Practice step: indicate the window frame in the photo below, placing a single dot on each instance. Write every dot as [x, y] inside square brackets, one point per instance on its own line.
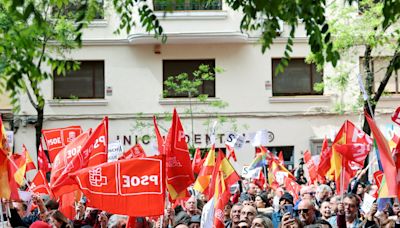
[93, 83]
[158, 8]
[312, 78]
[165, 77]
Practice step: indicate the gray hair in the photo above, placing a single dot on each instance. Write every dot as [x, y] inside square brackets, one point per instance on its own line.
[266, 222]
[114, 220]
[323, 187]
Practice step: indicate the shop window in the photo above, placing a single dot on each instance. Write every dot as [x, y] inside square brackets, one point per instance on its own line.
[298, 78]
[176, 67]
[179, 5]
[87, 82]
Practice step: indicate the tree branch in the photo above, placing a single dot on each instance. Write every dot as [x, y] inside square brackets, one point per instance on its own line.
[389, 71]
[36, 106]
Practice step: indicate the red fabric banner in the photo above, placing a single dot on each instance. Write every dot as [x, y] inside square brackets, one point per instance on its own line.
[179, 167]
[196, 163]
[160, 139]
[56, 139]
[134, 152]
[39, 184]
[132, 187]
[324, 159]
[84, 151]
[43, 161]
[312, 169]
[396, 116]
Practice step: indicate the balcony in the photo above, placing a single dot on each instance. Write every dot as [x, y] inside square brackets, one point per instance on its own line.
[187, 5]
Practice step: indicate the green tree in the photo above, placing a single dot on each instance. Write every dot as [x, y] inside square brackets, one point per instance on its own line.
[355, 28]
[35, 34]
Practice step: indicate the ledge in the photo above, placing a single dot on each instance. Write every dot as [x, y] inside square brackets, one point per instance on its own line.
[192, 15]
[392, 97]
[98, 23]
[299, 99]
[190, 38]
[185, 101]
[66, 102]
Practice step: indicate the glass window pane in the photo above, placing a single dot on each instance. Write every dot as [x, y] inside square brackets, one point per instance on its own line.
[297, 79]
[87, 82]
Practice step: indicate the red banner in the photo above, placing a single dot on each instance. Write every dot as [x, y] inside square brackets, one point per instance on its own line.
[179, 167]
[82, 153]
[56, 139]
[312, 169]
[39, 184]
[396, 116]
[134, 152]
[132, 187]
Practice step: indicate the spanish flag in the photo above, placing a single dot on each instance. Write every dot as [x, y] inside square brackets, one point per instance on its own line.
[30, 165]
[385, 156]
[204, 178]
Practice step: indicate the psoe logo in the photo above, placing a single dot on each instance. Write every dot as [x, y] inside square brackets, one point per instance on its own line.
[96, 179]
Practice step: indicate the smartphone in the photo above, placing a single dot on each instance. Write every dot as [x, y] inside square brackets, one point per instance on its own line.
[288, 208]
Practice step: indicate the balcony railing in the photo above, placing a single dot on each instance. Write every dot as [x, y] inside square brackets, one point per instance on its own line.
[180, 5]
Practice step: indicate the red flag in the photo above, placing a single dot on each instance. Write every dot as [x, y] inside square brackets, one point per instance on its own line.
[280, 156]
[231, 152]
[67, 203]
[196, 163]
[61, 166]
[312, 169]
[293, 188]
[56, 139]
[39, 184]
[29, 162]
[160, 139]
[396, 153]
[260, 181]
[356, 152]
[17, 168]
[179, 170]
[83, 152]
[134, 152]
[389, 167]
[132, 187]
[43, 162]
[324, 159]
[396, 116]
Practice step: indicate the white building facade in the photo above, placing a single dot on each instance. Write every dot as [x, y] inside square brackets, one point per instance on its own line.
[122, 76]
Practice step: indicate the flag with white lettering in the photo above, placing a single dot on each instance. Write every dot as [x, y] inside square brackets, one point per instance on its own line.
[132, 187]
[179, 167]
[83, 153]
[56, 139]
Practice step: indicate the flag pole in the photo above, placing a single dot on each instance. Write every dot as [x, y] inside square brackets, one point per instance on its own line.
[342, 176]
[2, 215]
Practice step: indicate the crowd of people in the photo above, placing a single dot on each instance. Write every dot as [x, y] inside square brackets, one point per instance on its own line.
[250, 205]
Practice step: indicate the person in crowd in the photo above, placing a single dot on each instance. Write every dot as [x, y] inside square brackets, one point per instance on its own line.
[250, 194]
[325, 210]
[348, 215]
[288, 221]
[58, 220]
[306, 211]
[334, 201]
[243, 224]
[234, 216]
[191, 206]
[227, 212]
[248, 213]
[300, 178]
[322, 194]
[26, 220]
[263, 204]
[286, 199]
[195, 221]
[117, 221]
[261, 221]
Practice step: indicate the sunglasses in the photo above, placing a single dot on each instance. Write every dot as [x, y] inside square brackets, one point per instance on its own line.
[305, 211]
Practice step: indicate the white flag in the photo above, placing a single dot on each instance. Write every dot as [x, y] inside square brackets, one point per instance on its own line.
[207, 216]
[259, 138]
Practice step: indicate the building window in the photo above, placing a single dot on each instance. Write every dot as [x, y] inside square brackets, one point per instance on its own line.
[298, 78]
[179, 5]
[87, 82]
[316, 146]
[287, 152]
[176, 67]
[379, 66]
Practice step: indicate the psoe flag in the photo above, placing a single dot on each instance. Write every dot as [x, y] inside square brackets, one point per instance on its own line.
[132, 187]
